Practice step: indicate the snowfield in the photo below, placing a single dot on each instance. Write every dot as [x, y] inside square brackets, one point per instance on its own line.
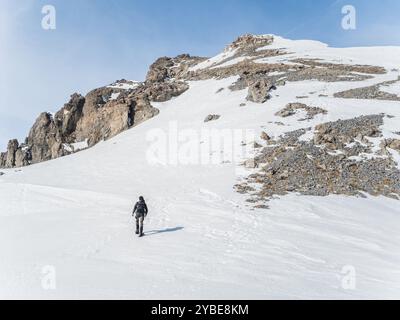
[72, 215]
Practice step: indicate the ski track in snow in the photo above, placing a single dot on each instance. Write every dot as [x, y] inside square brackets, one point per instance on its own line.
[203, 240]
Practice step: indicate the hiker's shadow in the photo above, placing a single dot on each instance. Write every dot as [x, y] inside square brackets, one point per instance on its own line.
[154, 232]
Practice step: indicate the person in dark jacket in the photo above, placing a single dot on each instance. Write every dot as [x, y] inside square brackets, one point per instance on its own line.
[140, 212]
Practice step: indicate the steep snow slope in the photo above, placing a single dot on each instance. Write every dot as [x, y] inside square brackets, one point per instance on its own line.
[202, 239]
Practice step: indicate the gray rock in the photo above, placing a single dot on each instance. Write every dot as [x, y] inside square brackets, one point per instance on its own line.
[265, 136]
[167, 68]
[3, 157]
[68, 117]
[335, 135]
[44, 139]
[12, 148]
[164, 91]
[259, 91]
[212, 117]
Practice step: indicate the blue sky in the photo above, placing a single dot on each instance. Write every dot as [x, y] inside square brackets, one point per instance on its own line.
[99, 41]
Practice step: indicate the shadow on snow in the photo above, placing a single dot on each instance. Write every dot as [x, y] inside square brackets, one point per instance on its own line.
[154, 232]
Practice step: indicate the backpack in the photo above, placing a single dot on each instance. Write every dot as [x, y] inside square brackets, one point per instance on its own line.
[141, 207]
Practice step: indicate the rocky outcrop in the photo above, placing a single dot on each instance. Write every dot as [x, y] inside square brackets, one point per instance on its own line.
[166, 68]
[44, 140]
[3, 157]
[68, 117]
[291, 109]
[338, 134]
[259, 91]
[103, 113]
[316, 63]
[164, 91]
[249, 42]
[15, 156]
[12, 148]
[391, 143]
[101, 117]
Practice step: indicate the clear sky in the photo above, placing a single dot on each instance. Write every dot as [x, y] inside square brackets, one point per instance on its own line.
[98, 41]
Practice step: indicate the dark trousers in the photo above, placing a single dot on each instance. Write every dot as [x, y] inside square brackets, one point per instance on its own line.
[139, 223]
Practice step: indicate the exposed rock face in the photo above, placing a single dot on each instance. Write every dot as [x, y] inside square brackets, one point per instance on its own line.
[101, 114]
[249, 42]
[16, 155]
[335, 135]
[101, 118]
[164, 91]
[44, 139]
[3, 157]
[12, 148]
[68, 117]
[22, 157]
[391, 143]
[259, 91]
[394, 144]
[265, 136]
[166, 68]
[315, 63]
[253, 66]
[142, 110]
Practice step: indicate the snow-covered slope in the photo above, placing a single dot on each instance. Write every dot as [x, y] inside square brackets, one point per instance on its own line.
[203, 240]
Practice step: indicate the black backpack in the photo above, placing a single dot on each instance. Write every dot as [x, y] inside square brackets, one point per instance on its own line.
[141, 207]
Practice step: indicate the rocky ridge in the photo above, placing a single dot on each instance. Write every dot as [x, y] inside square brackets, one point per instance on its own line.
[103, 113]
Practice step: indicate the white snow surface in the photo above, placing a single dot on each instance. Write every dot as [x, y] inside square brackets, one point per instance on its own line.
[393, 88]
[203, 240]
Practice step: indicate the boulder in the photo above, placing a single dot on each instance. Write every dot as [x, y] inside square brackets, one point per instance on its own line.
[12, 148]
[21, 158]
[265, 136]
[251, 42]
[167, 68]
[3, 157]
[259, 91]
[68, 117]
[212, 117]
[164, 91]
[395, 144]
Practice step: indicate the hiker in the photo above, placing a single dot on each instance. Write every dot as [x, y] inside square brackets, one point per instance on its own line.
[141, 212]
